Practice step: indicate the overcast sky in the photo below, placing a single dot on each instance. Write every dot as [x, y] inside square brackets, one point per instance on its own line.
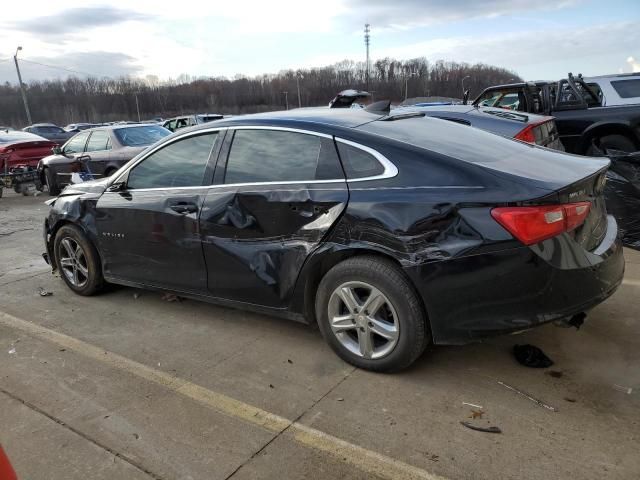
[538, 40]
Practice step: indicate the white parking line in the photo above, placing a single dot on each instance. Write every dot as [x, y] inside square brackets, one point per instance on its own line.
[366, 460]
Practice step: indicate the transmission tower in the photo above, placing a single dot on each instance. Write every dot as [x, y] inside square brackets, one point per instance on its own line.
[367, 36]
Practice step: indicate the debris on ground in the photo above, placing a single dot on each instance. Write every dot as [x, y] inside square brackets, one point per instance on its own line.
[12, 351]
[472, 405]
[171, 297]
[526, 395]
[570, 400]
[531, 356]
[491, 429]
[44, 293]
[476, 414]
[136, 296]
[271, 385]
[620, 388]
[136, 436]
[340, 399]
[289, 360]
[554, 373]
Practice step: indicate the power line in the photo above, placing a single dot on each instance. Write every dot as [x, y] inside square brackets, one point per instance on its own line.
[63, 68]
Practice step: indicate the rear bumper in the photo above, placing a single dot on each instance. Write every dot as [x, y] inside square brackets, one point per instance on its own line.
[516, 289]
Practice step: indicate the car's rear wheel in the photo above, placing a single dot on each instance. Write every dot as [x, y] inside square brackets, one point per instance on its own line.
[620, 143]
[77, 261]
[370, 314]
[52, 184]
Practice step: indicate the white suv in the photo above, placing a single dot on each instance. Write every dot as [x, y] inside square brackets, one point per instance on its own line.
[622, 89]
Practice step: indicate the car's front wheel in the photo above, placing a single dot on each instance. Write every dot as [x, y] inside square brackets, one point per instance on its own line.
[77, 261]
[370, 314]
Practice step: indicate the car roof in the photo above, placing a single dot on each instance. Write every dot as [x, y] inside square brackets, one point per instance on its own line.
[45, 125]
[338, 117]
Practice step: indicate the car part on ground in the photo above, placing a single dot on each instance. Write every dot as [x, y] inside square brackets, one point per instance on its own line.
[96, 153]
[579, 115]
[313, 213]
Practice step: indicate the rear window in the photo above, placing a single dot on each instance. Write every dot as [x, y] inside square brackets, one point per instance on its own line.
[140, 136]
[627, 88]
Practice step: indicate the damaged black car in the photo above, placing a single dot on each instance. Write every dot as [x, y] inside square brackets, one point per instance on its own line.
[392, 231]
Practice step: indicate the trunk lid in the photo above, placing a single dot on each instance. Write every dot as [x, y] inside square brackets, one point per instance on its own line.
[593, 230]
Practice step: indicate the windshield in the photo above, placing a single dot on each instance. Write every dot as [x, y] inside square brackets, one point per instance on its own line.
[140, 136]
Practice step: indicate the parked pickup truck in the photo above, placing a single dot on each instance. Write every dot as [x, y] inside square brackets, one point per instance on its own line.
[583, 123]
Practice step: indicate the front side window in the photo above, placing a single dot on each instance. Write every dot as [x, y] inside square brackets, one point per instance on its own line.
[281, 156]
[98, 141]
[76, 144]
[179, 164]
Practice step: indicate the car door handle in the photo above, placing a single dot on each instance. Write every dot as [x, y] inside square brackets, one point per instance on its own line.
[184, 207]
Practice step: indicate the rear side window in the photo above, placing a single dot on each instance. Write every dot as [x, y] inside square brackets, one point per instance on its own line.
[627, 88]
[357, 163]
[98, 141]
[180, 164]
[280, 156]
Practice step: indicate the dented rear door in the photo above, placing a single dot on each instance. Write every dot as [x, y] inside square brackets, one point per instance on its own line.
[278, 193]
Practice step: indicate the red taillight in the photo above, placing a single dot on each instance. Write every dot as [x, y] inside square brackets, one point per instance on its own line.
[527, 134]
[533, 224]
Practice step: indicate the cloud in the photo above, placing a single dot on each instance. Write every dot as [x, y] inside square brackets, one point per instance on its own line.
[79, 64]
[68, 22]
[406, 14]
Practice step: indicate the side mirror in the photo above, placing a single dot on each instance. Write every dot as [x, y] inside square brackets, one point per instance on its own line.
[57, 150]
[117, 187]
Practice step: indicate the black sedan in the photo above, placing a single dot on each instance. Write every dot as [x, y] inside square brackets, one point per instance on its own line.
[96, 153]
[391, 232]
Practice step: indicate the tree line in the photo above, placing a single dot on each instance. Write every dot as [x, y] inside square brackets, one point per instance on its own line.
[107, 99]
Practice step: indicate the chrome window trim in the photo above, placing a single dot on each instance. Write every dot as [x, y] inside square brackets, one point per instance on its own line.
[390, 170]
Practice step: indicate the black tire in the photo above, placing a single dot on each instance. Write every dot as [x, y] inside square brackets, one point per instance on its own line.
[109, 171]
[612, 142]
[52, 184]
[414, 333]
[89, 259]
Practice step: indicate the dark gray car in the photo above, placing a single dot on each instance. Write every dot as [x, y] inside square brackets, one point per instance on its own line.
[96, 153]
[527, 127]
[50, 132]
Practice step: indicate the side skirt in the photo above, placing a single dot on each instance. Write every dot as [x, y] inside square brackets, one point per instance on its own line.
[275, 312]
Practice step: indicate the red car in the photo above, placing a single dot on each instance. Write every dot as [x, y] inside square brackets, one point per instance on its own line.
[22, 148]
[20, 153]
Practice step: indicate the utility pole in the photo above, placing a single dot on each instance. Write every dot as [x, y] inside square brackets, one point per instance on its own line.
[286, 99]
[367, 36]
[298, 77]
[406, 84]
[24, 94]
[137, 106]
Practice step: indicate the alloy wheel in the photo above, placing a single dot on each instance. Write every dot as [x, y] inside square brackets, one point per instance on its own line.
[363, 320]
[73, 262]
